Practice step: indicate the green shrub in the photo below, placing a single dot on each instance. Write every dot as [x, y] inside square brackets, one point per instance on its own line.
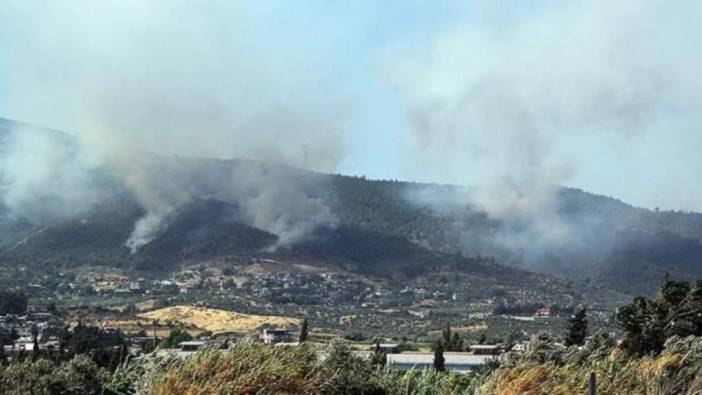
[175, 337]
[345, 373]
[79, 376]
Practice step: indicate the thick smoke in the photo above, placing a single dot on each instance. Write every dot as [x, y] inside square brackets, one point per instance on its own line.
[496, 103]
[44, 175]
[139, 82]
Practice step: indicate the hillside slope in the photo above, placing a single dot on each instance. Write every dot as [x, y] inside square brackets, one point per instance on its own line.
[378, 227]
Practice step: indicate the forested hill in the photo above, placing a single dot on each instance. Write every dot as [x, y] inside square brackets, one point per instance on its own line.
[371, 223]
[609, 242]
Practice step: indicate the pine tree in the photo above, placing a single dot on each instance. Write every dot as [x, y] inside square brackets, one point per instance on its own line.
[577, 328]
[439, 361]
[304, 331]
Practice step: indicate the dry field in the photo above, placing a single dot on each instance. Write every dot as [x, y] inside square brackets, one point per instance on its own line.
[215, 320]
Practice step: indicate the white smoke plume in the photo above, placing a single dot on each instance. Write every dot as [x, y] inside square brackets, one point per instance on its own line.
[44, 175]
[492, 104]
[138, 81]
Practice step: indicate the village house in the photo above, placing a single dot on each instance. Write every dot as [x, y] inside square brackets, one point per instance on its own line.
[521, 347]
[417, 313]
[276, 335]
[543, 312]
[192, 345]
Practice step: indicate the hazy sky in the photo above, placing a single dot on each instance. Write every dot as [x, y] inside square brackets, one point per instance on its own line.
[605, 104]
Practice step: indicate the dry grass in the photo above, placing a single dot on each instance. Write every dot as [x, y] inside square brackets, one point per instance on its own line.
[616, 374]
[518, 382]
[661, 364]
[248, 368]
[215, 320]
[146, 305]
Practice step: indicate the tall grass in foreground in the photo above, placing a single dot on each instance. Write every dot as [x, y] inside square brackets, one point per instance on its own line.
[247, 368]
[254, 368]
[677, 370]
[427, 382]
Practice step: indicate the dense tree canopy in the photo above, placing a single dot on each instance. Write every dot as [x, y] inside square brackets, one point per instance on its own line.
[647, 323]
[12, 302]
[450, 340]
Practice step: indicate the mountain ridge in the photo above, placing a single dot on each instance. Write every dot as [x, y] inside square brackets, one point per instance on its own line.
[613, 244]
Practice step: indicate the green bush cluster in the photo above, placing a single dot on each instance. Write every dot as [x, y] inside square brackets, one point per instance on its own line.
[78, 376]
[647, 323]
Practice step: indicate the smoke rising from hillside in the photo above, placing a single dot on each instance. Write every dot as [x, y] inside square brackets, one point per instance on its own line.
[493, 104]
[44, 175]
[505, 104]
[139, 81]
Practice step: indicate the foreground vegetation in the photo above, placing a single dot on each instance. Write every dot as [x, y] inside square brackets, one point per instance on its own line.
[250, 368]
[677, 370]
[247, 368]
[254, 368]
[659, 352]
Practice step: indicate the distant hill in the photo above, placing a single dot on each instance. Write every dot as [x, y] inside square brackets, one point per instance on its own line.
[627, 248]
[379, 230]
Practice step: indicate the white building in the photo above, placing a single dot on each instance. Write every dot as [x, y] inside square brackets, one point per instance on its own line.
[276, 335]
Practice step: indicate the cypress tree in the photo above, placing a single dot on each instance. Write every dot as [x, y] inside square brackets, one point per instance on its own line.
[577, 328]
[304, 331]
[379, 358]
[439, 361]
